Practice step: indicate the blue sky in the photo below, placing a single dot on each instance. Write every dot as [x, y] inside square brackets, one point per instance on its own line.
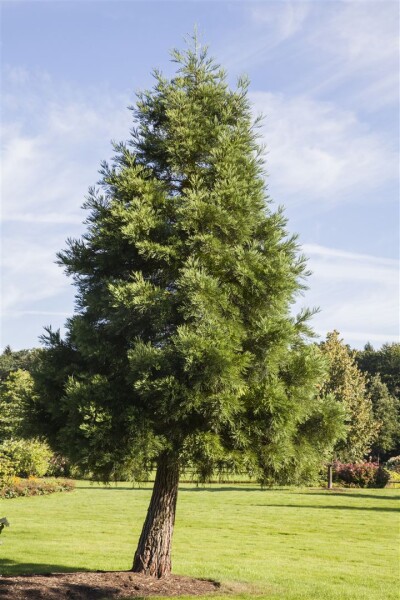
[324, 74]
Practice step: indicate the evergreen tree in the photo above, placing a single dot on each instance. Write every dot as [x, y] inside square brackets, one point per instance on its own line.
[384, 362]
[12, 360]
[386, 410]
[182, 350]
[349, 386]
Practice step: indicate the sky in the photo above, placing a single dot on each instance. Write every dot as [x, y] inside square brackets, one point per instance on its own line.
[323, 73]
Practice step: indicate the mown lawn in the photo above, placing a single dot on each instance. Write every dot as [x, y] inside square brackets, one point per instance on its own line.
[286, 544]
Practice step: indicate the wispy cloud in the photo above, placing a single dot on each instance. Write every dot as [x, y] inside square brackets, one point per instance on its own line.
[318, 152]
[285, 19]
[361, 45]
[357, 294]
[30, 273]
[53, 139]
[51, 153]
[348, 47]
[264, 27]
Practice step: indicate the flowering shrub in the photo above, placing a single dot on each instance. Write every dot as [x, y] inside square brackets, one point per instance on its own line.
[16, 487]
[393, 464]
[363, 474]
[59, 466]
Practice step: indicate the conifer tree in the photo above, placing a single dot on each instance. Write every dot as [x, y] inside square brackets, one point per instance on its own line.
[182, 350]
[386, 411]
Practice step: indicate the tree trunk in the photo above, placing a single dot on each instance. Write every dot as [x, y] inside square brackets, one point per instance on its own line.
[153, 554]
[330, 468]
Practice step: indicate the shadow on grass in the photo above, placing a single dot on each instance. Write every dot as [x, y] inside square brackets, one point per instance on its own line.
[351, 494]
[215, 487]
[199, 488]
[112, 488]
[11, 568]
[331, 507]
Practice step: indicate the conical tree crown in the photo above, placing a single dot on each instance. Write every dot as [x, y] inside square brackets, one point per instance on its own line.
[185, 279]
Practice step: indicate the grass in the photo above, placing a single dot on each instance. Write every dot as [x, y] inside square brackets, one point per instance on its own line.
[286, 544]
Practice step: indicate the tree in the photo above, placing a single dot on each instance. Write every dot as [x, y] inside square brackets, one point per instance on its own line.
[349, 386]
[12, 360]
[16, 395]
[182, 351]
[385, 362]
[386, 411]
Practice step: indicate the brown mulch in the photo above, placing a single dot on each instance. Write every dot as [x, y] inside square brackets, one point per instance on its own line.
[100, 585]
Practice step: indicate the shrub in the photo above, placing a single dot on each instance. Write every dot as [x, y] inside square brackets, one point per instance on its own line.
[363, 474]
[393, 464]
[394, 477]
[59, 466]
[17, 487]
[7, 468]
[28, 457]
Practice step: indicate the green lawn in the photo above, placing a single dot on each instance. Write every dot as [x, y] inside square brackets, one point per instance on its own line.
[281, 544]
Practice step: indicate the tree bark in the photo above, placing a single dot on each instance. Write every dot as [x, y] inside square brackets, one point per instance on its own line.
[153, 554]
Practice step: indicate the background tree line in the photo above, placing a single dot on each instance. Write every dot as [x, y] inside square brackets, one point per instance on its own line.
[366, 382]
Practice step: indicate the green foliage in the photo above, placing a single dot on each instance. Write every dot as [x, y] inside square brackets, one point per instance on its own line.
[394, 476]
[28, 457]
[16, 396]
[363, 474]
[7, 468]
[386, 410]
[385, 362]
[11, 361]
[348, 386]
[183, 340]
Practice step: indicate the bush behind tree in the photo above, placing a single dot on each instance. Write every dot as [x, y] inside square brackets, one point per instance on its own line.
[361, 474]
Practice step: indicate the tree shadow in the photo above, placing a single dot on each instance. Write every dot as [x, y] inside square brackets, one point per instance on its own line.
[11, 568]
[331, 507]
[68, 584]
[61, 590]
[182, 488]
[111, 488]
[219, 488]
[350, 494]
[46, 582]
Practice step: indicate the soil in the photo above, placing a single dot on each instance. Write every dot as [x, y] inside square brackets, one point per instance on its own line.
[100, 585]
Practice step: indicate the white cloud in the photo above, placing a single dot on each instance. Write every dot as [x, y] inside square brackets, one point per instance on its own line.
[320, 153]
[285, 18]
[361, 44]
[53, 165]
[53, 139]
[357, 295]
[363, 33]
[30, 273]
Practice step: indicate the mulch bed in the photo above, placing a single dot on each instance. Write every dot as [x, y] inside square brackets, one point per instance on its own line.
[99, 585]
